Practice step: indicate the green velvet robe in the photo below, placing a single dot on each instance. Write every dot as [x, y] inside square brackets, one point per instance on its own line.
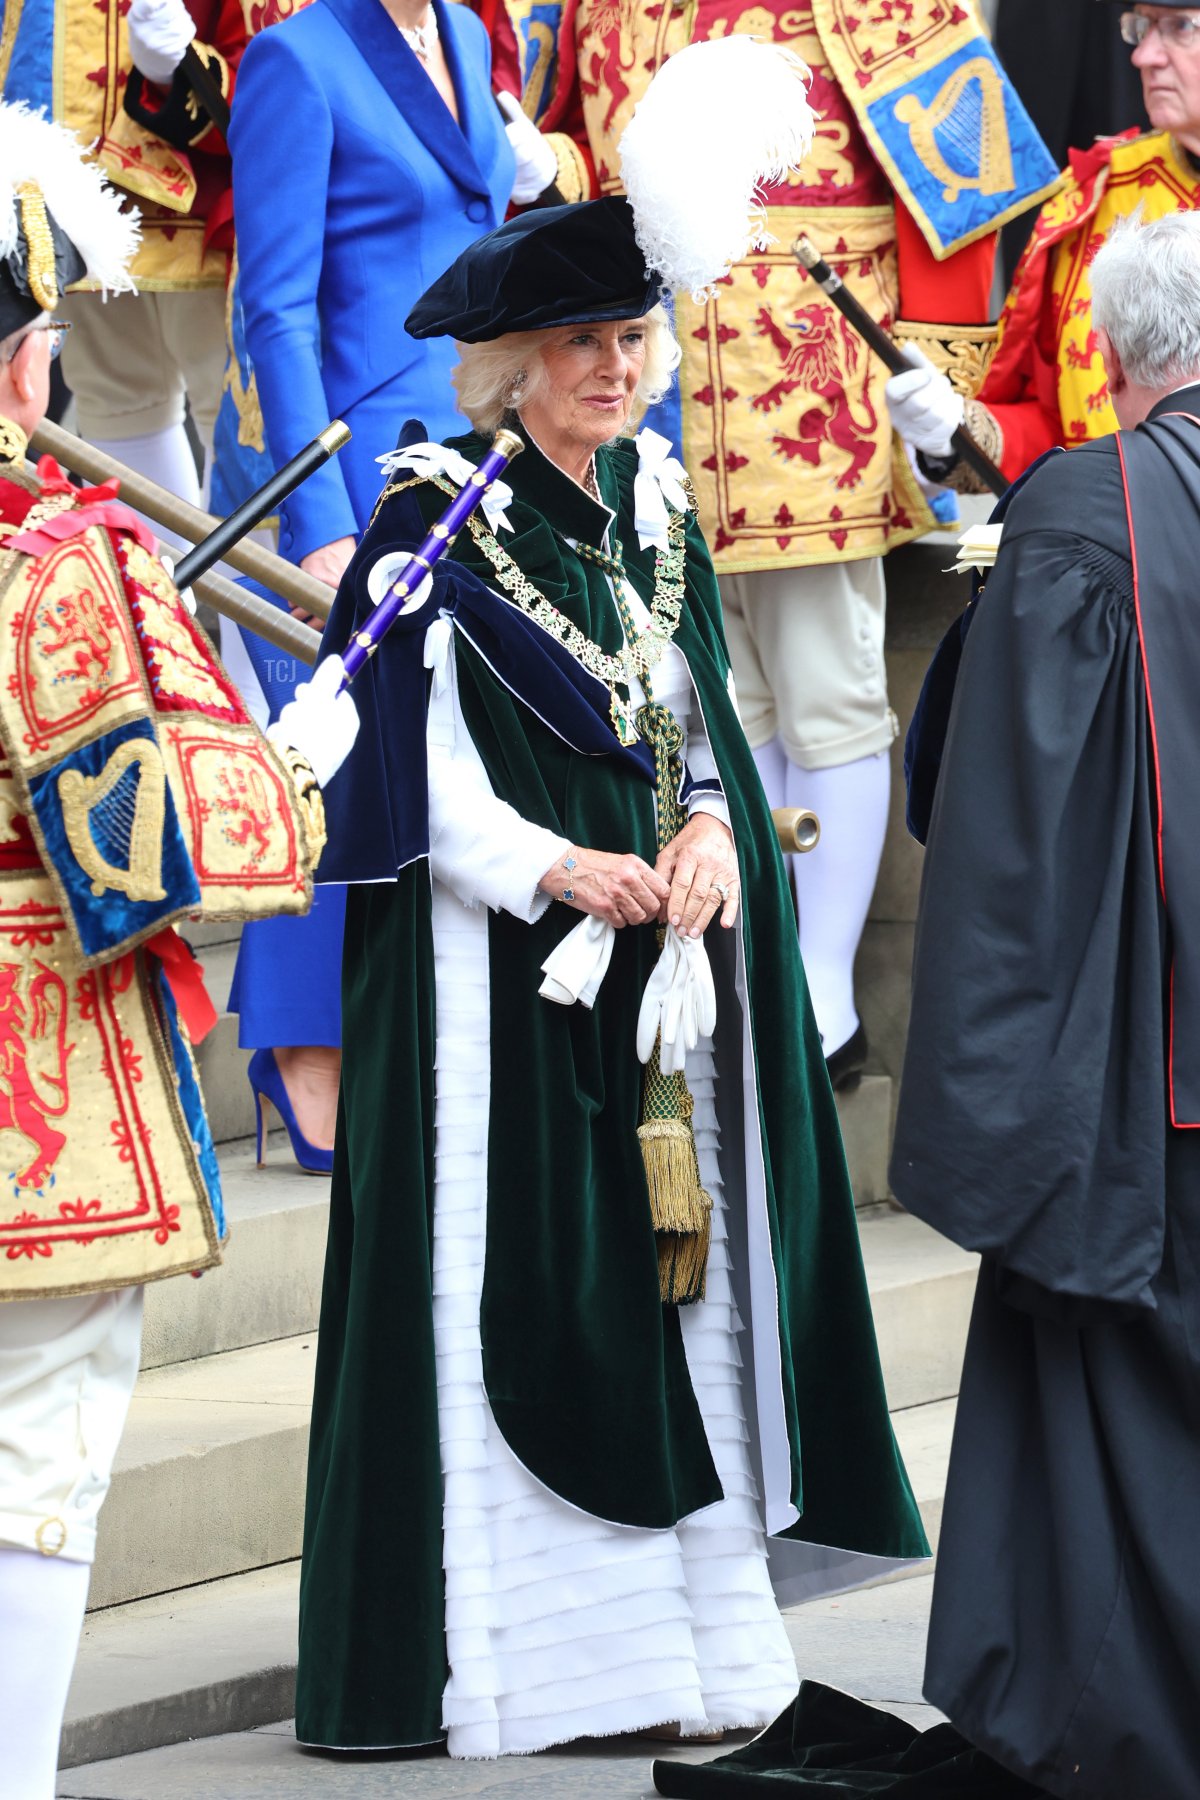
[584, 1368]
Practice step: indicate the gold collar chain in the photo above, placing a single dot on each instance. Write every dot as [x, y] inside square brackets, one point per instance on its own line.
[637, 657]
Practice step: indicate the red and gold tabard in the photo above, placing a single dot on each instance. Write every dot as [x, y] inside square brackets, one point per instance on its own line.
[1046, 384]
[785, 426]
[135, 792]
[100, 1183]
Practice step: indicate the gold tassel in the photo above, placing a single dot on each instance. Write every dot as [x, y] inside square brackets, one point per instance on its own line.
[683, 1261]
[680, 1209]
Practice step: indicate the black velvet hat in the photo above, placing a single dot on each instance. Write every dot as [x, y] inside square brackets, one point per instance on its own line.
[554, 265]
[18, 301]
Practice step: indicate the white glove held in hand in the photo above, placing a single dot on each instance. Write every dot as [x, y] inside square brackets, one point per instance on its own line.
[159, 33]
[389, 569]
[680, 1002]
[537, 165]
[925, 409]
[320, 723]
[577, 966]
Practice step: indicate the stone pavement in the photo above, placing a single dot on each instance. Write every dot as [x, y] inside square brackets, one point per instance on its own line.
[870, 1643]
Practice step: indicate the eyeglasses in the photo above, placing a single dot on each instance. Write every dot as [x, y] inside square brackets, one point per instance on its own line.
[1179, 31]
[58, 329]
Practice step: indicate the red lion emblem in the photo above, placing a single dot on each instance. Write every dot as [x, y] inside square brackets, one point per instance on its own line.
[24, 1107]
[819, 354]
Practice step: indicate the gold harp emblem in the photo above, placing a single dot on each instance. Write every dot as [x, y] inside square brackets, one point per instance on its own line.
[964, 128]
[114, 820]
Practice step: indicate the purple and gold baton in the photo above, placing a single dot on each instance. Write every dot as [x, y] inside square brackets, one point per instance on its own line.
[363, 645]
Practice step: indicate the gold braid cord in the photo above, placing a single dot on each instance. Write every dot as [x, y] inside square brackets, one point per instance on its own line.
[39, 239]
[680, 1208]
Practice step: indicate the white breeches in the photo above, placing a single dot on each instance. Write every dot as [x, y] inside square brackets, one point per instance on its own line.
[67, 1370]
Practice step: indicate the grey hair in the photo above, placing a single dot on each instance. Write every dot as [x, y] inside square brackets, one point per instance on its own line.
[503, 376]
[1146, 295]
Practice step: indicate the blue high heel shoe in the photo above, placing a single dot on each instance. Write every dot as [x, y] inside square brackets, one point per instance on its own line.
[266, 1084]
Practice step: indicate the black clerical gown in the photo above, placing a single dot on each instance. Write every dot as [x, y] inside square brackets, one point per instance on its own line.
[1035, 1126]
[1055, 1037]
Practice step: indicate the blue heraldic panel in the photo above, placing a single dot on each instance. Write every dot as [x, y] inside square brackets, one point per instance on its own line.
[963, 141]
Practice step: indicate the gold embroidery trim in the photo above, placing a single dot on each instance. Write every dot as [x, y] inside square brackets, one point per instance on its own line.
[985, 428]
[80, 795]
[8, 36]
[308, 797]
[573, 179]
[13, 441]
[961, 352]
[39, 239]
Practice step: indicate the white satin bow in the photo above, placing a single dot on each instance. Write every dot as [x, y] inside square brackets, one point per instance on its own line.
[679, 1006]
[436, 459]
[659, 481]
[577, 966]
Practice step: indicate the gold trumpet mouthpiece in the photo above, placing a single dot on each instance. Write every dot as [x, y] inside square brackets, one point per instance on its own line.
[797, 829]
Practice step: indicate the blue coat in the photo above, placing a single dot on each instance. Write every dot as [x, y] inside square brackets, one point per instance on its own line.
[353, 189]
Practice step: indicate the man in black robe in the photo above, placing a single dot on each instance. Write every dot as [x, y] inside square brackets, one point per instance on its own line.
[1048, 1116]
[1049, 1093]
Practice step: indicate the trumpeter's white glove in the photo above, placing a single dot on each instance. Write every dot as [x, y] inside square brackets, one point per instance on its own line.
[679, 1005]
[925, 409]
[320, 723]
[159, 33]
[390, 567]
[537, 165]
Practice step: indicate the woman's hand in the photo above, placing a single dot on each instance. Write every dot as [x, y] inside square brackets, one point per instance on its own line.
[328, 564]
[623, 890]
[700, 862]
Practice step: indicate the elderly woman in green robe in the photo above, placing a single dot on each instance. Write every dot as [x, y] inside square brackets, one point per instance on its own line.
[595, 1331]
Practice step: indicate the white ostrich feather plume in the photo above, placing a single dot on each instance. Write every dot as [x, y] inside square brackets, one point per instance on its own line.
[718, 121]
[34, 148]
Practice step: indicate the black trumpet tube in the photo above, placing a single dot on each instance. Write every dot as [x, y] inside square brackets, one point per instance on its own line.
[261, 504]
[810, 258]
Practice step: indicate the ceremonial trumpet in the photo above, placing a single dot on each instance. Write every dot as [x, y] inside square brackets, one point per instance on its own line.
[170, 513]
[797, 829]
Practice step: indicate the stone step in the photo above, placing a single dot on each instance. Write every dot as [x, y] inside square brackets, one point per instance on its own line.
[865, 1116]
[209, 1478]
[922, 1287]
[214, 1658]
[269, 1285]
[924, 1434]
[220, 1656]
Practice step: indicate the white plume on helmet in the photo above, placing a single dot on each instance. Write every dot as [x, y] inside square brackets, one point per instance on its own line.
[35, 149]
[718, 120]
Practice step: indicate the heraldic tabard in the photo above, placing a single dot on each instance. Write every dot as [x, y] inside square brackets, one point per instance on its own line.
[134, 791]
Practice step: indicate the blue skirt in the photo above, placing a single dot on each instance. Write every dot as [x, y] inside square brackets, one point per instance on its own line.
[288, 979]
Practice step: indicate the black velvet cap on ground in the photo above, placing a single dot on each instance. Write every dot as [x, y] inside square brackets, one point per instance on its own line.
[17, 304]
[828, 1745]
[554, 265]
